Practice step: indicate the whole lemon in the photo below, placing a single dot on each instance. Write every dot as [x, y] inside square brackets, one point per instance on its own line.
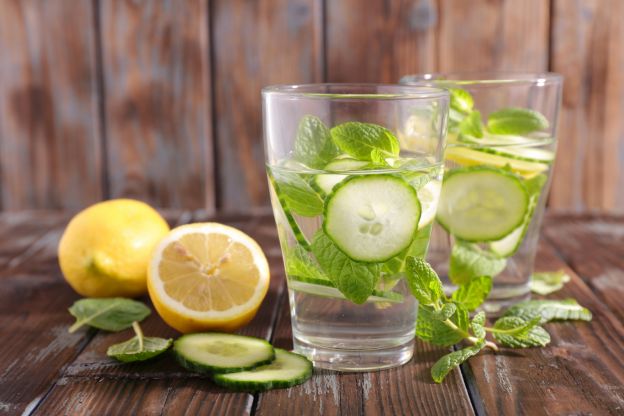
[106, 248]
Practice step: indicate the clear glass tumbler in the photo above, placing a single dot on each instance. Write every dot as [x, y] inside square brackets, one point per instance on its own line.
[355, 173]
[499, 158]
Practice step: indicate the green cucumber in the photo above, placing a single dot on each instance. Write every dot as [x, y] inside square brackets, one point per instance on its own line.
[529, 154]
[325, 288]
[222, 353]
[288, 369]
[372, 218]
[325, 182]
[428, 197]
[299, 236]
[466, 157]
[482, 203]
[345, 165]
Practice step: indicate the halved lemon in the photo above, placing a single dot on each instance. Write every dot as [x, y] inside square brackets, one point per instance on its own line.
[207, 276]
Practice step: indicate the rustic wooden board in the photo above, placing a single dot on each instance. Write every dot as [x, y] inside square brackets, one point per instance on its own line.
[256, 44]
[587, 49]
[484, 35]
[381, 41]
[49, 129]
[580, 372]
[156, 70]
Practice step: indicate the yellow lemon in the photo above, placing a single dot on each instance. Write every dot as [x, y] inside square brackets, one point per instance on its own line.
[106, 248]
[207, 276]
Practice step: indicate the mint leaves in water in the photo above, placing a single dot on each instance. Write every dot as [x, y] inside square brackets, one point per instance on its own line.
[365, 141]
[109, 314]
[516, 121]
[444, 321]
[138, 348]
[313, 144]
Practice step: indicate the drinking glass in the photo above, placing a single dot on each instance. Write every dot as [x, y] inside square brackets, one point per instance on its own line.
[355, 174]
[499, 158]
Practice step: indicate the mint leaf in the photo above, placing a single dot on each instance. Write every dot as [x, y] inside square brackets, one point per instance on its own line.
[296, 194]
[313, 144]
[437, 332]
[423, 281]
[461, 100]
[545, 283]
[448, 362]
[109, 314]
[378, 157]
[445, 313]
[515, 332]
[355, 280]
[360, 139]
[471, 125]
[550, 310]
[298, 263]
[516, 121]
[139, 348]
[478, 325]
[469, 261]
[472, 294]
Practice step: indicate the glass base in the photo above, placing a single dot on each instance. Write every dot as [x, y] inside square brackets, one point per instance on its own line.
[355, 360]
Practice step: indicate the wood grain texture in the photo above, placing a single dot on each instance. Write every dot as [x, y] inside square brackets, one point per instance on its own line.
[588, 49]
[580, 372]
[381, 40]
[490, 35]
[50, 152]
[158, 113]
[256, 44]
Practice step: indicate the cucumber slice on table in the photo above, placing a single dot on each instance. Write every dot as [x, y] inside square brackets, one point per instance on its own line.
[222, 353]
[372, 218]
[288, 369]
[465, 156]
[324, 287]
[482, 203]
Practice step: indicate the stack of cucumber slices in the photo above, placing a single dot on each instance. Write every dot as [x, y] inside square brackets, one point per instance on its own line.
[241, 363]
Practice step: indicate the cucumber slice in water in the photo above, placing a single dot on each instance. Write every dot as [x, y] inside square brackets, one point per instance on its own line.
[530, 154]
[345, 164]
[475, 157]
[222, 353]
[299, 236]
[482, 203]
[428, 196]
[372, 218]
[325, 288]
[325, 182]
[288, 369]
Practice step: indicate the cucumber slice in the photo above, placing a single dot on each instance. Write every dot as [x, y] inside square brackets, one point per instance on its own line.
[475, 157]
[372, 218]
[482, 203]
[530, 154]
[326, 182]
[288, 369]
[299, 236]
[428, 196]
[222, 353]
[345, 165]
[325, 288]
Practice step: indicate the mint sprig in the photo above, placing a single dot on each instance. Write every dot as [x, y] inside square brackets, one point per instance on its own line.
[365, 141]
[313, 144]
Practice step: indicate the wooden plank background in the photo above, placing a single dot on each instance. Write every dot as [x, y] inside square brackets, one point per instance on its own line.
[160, 99]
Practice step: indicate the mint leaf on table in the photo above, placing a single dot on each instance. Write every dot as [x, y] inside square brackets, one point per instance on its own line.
[478, 325]
[461, 100]
[545, 283]
[516, 121]
[550, 310]
[358, 140]
[423, 281]
[296, 194]
[138, 348]
[313, 144]
[472, 294]
[109, 314]
[437, 332]
[472, 125]
[452, 360]
[355, 280]
[468, 262]
[445, 313]
[516, 332]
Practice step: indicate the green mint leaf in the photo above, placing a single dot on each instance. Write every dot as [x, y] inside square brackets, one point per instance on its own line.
[461, 100]
[378, 157]
[418, 248]
[299, 263]
[313, 144]
[355, 280]
[478, 325]
[469, 261]
[472, 294]
[515, 332]
[423, 281]
[437, 332]
[550, 310]
[138, 348]
[452, 360]
[472, 125]
[360, 139]
[516, 121]
[296, 194]
[445, 313]
[545, 283]
[109, 314]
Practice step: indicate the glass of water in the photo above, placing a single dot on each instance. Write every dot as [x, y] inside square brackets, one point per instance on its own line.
[499, 158]
[355, 174]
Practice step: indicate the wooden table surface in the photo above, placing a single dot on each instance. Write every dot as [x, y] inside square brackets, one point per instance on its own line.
[44, 370]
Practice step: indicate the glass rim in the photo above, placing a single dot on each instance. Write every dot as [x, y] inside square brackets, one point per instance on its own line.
[489, 78]
[395, 91]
